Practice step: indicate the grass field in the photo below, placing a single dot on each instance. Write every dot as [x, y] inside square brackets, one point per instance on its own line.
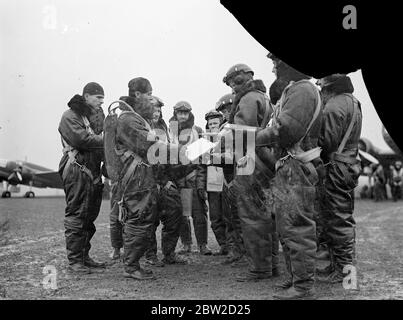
[32, 237]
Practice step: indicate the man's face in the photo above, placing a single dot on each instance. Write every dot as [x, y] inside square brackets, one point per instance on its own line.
[398, 164]
[226, 111]
[145, 106]
[182, 116]
[213, 124]
[156, 114]
[236, 82]
[94, 101]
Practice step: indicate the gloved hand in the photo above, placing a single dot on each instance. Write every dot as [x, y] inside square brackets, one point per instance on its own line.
[202, 194]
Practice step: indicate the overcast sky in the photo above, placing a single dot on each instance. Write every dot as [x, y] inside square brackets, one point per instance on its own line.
[50, 49]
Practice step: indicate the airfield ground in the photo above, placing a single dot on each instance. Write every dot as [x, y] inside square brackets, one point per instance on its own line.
[32, 238]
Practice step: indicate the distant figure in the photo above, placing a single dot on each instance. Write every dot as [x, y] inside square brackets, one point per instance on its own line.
[396, 180]
[364, 192]
[379, 189]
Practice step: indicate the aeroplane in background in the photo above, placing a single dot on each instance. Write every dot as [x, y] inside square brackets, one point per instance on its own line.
[372, 154]
[22, 172]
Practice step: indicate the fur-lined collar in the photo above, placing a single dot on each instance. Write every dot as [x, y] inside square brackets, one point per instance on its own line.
[252, 85]
[79, 106]
[142, 107]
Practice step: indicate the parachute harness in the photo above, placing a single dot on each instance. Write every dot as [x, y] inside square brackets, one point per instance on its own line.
[124, 155]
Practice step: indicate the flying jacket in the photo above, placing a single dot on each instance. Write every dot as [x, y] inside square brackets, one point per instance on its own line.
[194, 133]
[249, 108]
[337, 116]
[249, 104]
[298, 105]
[72, 129]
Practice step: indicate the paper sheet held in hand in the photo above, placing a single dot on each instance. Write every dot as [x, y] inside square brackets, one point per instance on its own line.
[199, 147]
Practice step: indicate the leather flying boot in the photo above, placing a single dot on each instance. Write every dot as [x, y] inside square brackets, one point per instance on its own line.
[89, 262]
[335, 277]
[139, 274]
[78, 268]
[153, 261]
[287, 283]
[294, 294]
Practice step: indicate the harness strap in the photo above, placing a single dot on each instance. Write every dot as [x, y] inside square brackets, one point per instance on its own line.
[72, 153]
[350, 126]
[309, 155]
[315, 115]
[72, 160]
[339, 156]
[130, 170]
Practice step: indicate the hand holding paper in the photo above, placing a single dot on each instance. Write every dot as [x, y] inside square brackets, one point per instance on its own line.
[198, 148]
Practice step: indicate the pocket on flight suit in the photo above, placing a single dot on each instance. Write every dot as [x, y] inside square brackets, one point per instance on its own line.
[344, 177]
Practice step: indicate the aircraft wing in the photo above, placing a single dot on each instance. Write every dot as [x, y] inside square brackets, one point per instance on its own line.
[48, 180]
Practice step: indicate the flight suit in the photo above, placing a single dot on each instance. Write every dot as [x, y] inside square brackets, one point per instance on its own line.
[342, 172]
[230, 215]
[81, 177]
[195, 179]
[139, 187]
[249, 108]
[169, 206]
[217, 207]
[294, 186]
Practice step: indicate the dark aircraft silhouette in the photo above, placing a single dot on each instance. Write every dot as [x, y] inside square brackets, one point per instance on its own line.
[385, 157]
[26, 173]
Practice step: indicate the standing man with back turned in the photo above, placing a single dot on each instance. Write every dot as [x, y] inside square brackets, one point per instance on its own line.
[294, 136]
